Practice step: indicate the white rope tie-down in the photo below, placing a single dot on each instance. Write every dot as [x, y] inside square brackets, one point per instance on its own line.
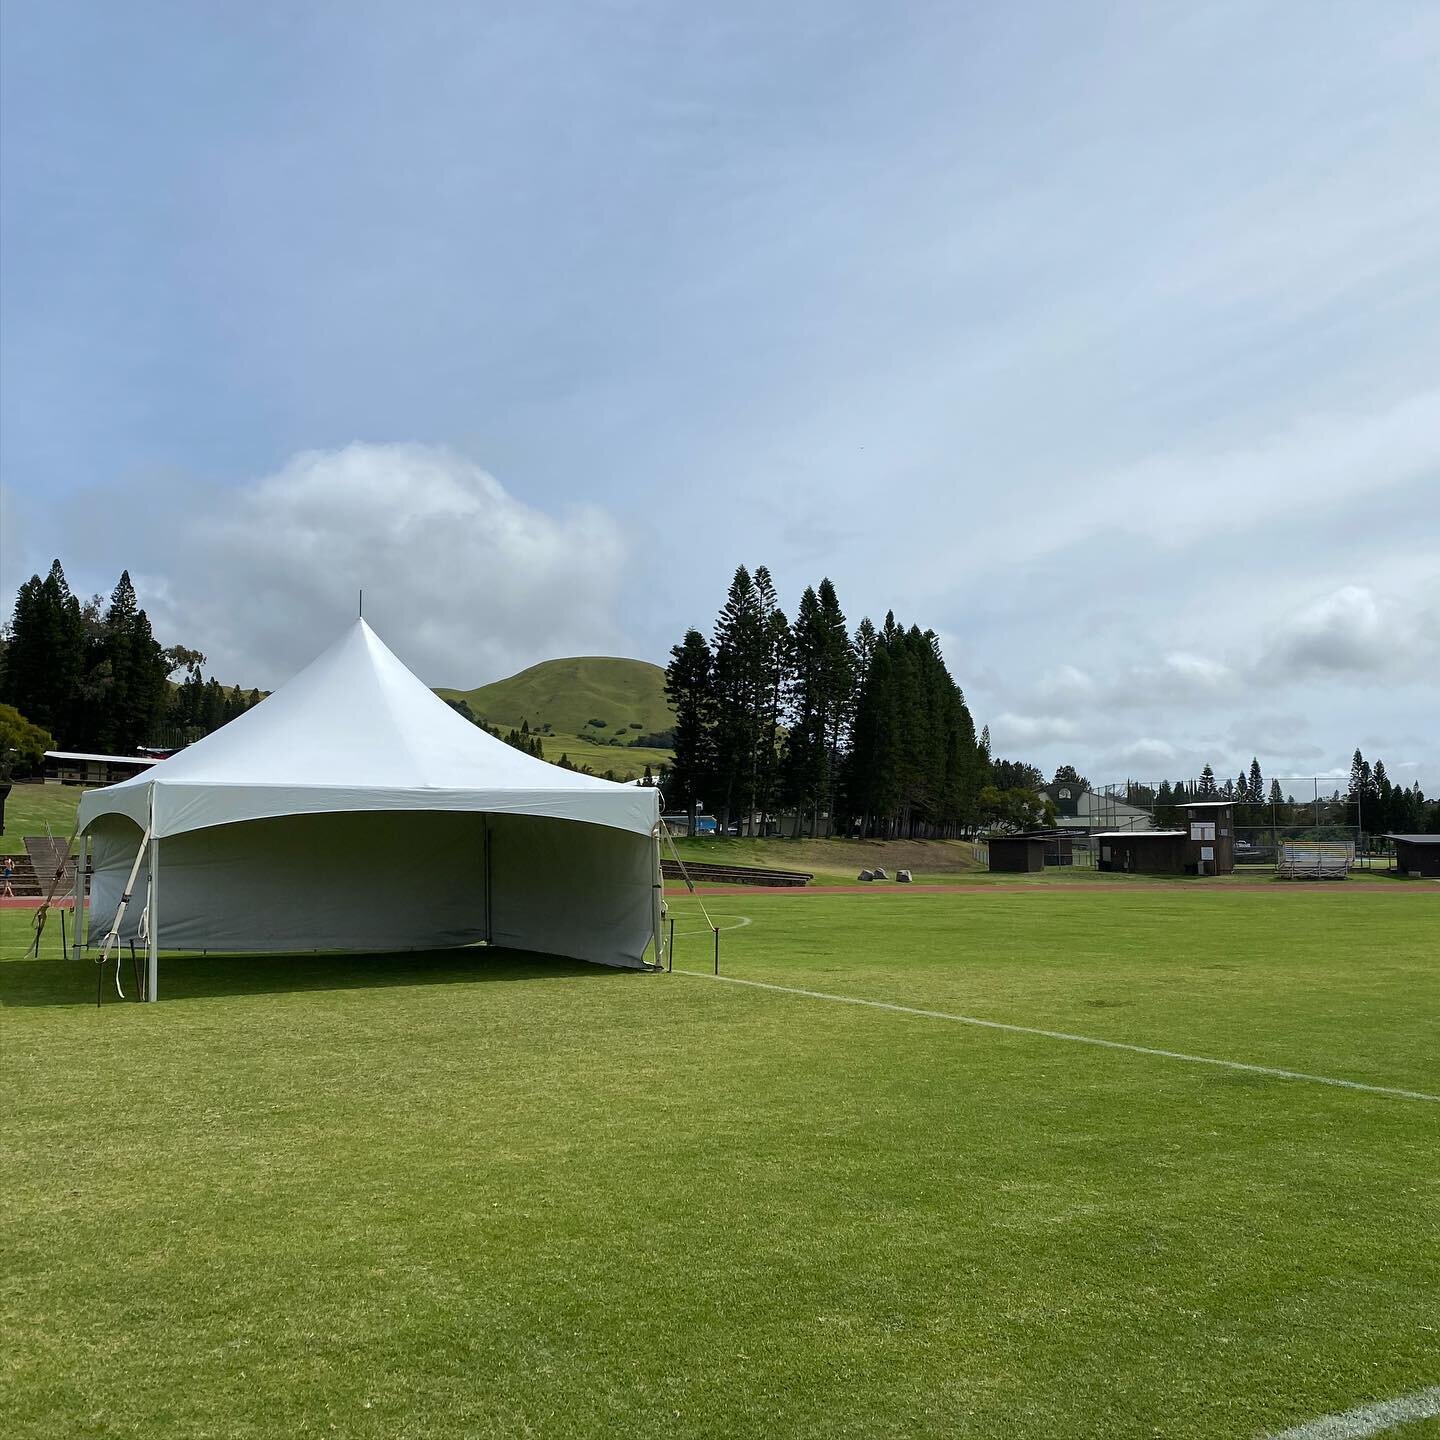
[113, 937]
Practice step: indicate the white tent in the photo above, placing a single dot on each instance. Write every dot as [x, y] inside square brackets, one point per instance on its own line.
[355, 810]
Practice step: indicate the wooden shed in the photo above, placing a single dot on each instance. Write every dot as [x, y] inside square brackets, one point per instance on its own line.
[1017, 853]
[1142, 852]
[1416, 855]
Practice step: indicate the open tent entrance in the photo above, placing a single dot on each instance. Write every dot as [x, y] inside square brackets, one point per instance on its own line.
[314, 822]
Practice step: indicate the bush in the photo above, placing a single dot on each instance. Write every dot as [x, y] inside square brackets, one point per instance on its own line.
[598, 724]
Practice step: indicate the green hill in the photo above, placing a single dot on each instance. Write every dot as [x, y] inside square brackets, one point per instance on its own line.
[627, 697]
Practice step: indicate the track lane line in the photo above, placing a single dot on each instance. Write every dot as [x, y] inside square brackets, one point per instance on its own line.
[975, 1020]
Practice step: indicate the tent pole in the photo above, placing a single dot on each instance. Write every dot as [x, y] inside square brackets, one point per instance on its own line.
[657, 904]
[82, 910]
[489, 921]
[152, 967]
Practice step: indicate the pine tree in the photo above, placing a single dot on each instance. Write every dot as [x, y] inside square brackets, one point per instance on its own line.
[137, 673]
[774, 662]
[1379, 818]
[740, 647]
[805, 751]
[1256, 791]
[837, 687]
[45, 656]
[1207, 789]
[1358, 771]
[690, 685]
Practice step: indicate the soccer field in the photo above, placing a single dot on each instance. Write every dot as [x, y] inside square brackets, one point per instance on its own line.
[483, 1194]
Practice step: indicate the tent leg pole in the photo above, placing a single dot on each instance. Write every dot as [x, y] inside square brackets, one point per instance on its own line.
[152, 966]
[489, 896]
[82, 851]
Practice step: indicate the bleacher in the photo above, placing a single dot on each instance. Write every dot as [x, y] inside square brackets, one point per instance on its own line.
[1314, 859]
[35, 867]
[701, 870]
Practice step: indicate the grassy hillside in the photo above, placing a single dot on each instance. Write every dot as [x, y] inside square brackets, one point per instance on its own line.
[626, 696]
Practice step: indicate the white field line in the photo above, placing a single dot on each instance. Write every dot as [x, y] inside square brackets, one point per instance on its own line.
[1366, 1420]
[740, 922]
[1073, 1039]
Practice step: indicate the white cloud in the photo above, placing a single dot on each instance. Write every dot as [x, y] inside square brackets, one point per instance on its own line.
[465, 581]
[1353, 631]
[1010, 729]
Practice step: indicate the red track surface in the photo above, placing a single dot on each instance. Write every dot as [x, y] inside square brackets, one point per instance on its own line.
[1098, 887]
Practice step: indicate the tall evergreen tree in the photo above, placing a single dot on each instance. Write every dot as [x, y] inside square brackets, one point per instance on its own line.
[45, 655]
[690, 685]
[1358, 772]
[1256, 791]
[1207, 789]
[772, 684]
[805, 751]
[137, 674]
[1379, 818]
[740, 647]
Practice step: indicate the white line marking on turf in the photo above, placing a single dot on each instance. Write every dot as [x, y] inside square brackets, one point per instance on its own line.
[1074, 1039]
[740, 923]
[1368, 1419]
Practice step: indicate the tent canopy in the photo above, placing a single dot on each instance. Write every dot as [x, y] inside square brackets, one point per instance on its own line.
[355, 730]
[355, 810]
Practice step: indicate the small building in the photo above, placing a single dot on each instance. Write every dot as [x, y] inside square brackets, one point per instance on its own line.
[1142, 852]
[1017, 854]
[1417, 855]
[1206, 847]
[1211, 847]
[74, 767]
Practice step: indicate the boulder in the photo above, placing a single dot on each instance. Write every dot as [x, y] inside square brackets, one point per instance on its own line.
[904, 877]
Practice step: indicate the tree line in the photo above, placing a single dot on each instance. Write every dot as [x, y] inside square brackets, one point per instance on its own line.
[1371, 802]
[91, 675]
[846, 733]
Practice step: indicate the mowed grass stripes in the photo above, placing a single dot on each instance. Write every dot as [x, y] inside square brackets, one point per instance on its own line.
[486, 1195]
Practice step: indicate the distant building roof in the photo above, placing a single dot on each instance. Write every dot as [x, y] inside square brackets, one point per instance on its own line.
[109, 759]
[1137, 834]
[1416, 839]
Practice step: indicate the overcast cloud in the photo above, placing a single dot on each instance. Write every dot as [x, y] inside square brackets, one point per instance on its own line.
[1104, 341]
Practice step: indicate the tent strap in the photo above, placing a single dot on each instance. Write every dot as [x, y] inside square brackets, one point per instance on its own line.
[40, 914]
[114, 936]
[684, 873]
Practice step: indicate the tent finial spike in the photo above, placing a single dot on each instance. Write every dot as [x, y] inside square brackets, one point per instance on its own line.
[362, 604]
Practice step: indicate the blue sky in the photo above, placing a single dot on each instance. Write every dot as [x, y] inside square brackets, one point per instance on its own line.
[1104, 340]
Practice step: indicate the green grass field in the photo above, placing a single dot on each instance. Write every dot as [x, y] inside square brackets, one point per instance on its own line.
[483, 1194]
